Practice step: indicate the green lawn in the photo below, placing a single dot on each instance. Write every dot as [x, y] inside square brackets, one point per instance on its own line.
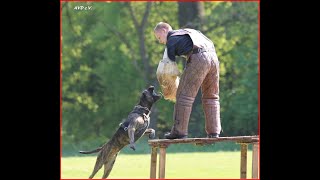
[215, 165]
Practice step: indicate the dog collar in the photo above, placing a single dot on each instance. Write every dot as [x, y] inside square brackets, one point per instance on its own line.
[139, 108]
[142, 111]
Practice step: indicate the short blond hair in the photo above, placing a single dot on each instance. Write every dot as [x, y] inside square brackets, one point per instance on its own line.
[162, 25]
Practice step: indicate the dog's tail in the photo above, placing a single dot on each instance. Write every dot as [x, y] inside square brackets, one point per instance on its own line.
[90, 152]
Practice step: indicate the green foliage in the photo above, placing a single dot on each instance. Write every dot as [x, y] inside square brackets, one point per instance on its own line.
[234, 30]
[103, 71]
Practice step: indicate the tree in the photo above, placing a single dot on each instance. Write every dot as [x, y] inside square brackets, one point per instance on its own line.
[191, 14]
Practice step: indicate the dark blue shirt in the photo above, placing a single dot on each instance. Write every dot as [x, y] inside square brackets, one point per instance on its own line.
[178, 45]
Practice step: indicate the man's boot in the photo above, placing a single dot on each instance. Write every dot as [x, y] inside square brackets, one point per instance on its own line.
[211, 109]
[182, 111]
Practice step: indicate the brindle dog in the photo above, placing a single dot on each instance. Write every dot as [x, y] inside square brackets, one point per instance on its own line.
[135, 126]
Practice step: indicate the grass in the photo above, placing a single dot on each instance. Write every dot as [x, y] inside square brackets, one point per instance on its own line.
[216, 161]
[197, 165]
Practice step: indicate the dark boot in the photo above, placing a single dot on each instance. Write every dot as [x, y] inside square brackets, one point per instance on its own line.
[182, 111]
[213, 135]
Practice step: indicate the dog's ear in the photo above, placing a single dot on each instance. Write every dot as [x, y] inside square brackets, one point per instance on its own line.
[146, 93]
[151, 88]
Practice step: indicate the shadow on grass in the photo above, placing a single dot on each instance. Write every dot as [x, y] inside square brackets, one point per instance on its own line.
[142, 147]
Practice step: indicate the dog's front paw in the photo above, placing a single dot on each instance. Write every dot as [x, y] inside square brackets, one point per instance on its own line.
[152, 134]
[133, 146]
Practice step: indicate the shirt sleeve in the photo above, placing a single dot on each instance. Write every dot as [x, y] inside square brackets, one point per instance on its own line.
[171, 48]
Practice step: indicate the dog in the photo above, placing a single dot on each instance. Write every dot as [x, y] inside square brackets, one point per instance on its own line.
[129, 131]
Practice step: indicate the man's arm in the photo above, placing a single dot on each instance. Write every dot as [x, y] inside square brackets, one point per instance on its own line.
[171, 48]
[179, 45]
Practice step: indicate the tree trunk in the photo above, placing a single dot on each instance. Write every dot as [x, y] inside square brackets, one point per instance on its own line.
[140, 26]
[191, 14]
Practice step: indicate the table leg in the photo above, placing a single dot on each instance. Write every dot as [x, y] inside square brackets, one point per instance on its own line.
[243, 163]
[162, 162]
[153, 167]
[255, 160]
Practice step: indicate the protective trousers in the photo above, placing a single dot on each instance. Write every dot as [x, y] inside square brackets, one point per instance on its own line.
[202, 70]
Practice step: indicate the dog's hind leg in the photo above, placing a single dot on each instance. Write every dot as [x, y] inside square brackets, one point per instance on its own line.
[98, 165]
[109, 165]
[102, 156]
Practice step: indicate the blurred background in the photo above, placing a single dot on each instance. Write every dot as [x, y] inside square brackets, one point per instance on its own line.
[110, 54]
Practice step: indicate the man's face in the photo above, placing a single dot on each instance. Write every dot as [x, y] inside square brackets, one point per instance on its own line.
[161, 35]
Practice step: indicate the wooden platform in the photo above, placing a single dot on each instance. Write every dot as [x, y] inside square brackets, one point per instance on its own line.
[244, 141]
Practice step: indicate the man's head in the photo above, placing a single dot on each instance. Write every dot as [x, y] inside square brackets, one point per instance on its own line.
[161, 31]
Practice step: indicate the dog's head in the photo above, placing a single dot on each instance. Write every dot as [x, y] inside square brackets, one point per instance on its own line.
[149, 97]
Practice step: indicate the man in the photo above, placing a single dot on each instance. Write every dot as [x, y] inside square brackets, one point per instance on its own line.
[202, 70]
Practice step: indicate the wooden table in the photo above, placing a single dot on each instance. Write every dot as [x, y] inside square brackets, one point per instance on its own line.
[244, 141]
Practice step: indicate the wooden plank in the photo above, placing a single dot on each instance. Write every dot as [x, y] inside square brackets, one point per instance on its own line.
[255, 161]
[162, 162]
[153, 166]
[243, 161]
[237, 139]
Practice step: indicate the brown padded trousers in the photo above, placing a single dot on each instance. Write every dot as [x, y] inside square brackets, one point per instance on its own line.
[202, 70]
